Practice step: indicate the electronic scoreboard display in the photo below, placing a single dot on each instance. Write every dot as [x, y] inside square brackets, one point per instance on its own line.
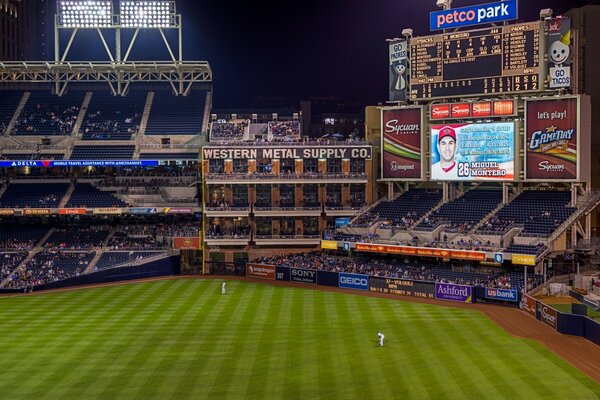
[503, 59]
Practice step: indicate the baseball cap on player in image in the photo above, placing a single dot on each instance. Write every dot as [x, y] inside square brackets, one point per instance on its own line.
[446, 131]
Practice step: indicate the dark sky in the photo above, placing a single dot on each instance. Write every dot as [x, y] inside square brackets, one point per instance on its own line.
[296, 49]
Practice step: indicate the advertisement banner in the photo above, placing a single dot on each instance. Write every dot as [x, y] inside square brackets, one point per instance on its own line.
[402, 143]
[402, 287]
[422, 251]
[353, 281]
[71, 211]
[261, 271]
[111, 210]
[37, 211]
[303, 275]
[551, 135]
[473, 15]
[529, 305]
[178, 210]
[7, 211]
[559, 52]
[501, 294]
[143, 210]
[282, 273]
[187, 243]
[328, 244]
[473, 152]
[523, 259]
[478, 109]
[448, 291]
[547, 315]
[398, 50]
[362, 152]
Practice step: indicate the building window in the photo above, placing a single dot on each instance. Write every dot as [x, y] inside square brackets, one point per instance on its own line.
[216, 166]
[240, 165]
[263, 196]
[310, 196]
[287, 196]
[240, 196]
[357, 166]
[334, 166]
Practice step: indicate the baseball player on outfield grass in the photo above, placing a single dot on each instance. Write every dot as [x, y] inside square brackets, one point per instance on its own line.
[223, 288]
[381, 336]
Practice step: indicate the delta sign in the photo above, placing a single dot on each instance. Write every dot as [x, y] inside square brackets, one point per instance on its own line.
[473, 15]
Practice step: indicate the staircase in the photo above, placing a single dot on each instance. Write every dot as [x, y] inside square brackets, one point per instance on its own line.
[67, 196]
[17, 113]
[3, 189]
[92, 264]
[583, 208]
[146, 114]
[82, 112]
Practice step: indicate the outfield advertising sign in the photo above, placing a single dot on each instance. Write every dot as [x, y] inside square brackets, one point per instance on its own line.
[473, 152]
[353, 281]
[261, 271]
[501, 294]
[282, 273]
[303, 275]
[402, 287]
[473, 15]
[529, 304]
[448, 291]
[547, 315]
[402, 143]
[552, 135]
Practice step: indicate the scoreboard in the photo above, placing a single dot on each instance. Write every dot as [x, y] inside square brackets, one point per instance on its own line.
[503, 59]
[402, 287]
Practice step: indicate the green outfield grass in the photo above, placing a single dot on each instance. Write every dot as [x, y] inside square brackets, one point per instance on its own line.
[181, 339]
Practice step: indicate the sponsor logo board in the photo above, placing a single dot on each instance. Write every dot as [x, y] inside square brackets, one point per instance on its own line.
[473, 15]
[187, 243]
[529, 304]
[178, 210]
[261, 271]
[353, 281]
[329, 244]
[501, 294]
[7, 211]
[523, 259]
[548, 315]
[71, 211]
[303, 275]
[448, 291]
[37, 211]
[362, 152]
[402, 143]
[422, 251]
[111, 210]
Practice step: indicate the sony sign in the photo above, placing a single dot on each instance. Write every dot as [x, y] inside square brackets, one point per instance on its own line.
[303, 275]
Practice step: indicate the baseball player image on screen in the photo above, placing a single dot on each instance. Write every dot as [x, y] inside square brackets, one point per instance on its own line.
[446, 168]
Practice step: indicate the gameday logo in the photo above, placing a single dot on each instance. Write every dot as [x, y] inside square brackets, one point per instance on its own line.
[550, 139]
[474, 15]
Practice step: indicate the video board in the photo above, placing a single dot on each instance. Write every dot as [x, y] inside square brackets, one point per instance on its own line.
[504, 59]
[473, 152]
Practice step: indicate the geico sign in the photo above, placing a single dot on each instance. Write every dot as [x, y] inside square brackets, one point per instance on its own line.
[346, 280]
[303, 273]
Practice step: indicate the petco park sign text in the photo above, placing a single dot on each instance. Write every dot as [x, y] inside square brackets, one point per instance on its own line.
[296, 152]
[474, 15]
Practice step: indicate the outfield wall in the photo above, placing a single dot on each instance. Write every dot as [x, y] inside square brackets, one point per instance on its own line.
[164, 267]
[565, 323]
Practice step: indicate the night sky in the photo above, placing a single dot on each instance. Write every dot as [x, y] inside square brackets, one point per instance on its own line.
[297, 49]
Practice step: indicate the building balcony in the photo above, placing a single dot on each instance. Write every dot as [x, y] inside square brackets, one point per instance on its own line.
[284, 178]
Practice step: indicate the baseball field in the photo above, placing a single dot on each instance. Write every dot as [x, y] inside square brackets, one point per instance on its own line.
[182, 338]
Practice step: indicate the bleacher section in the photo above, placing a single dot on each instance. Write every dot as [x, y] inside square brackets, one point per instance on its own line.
[114, 258]
[111, 117]
[525, 249]
[465, 212]
[176, 115]
[50, 267]
[169, 156]
[9, 101]
[38, 195]
[120, 152]
[539, 211]
[35, 156]
[76, 238]
[20, 237]
[403, 211]
[86, 195]
[47, 114]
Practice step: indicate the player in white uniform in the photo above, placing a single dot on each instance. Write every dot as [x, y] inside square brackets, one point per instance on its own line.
[223, 288]
[381, 336]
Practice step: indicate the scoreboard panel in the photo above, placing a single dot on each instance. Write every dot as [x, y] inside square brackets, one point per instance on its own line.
[503, 59]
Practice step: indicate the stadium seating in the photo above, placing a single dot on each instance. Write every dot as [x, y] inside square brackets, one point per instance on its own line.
[111, 259]
[47, 114]
[86, 195]
[227, 130]
[9, 100]
[402, 211]
[33, 156]
[539, 211]
[50, 267]
[76, 238]
[525, 249]
[169, 156]
[99, 152]
[111, 117]
[20, 237]
[9, 261]
[176, 115]
[38, 195]
[465, 212]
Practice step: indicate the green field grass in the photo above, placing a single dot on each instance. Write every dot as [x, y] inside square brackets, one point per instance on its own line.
[181, 339]
[566, 308]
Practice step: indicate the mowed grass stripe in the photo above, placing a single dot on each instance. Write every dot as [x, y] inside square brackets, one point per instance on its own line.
[59, 338]
[87, 353]
[328, 365]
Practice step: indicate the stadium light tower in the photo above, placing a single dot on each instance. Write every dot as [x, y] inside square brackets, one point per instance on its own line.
[133, 14]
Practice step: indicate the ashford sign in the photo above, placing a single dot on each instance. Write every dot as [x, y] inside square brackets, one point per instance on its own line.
[296, 152]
